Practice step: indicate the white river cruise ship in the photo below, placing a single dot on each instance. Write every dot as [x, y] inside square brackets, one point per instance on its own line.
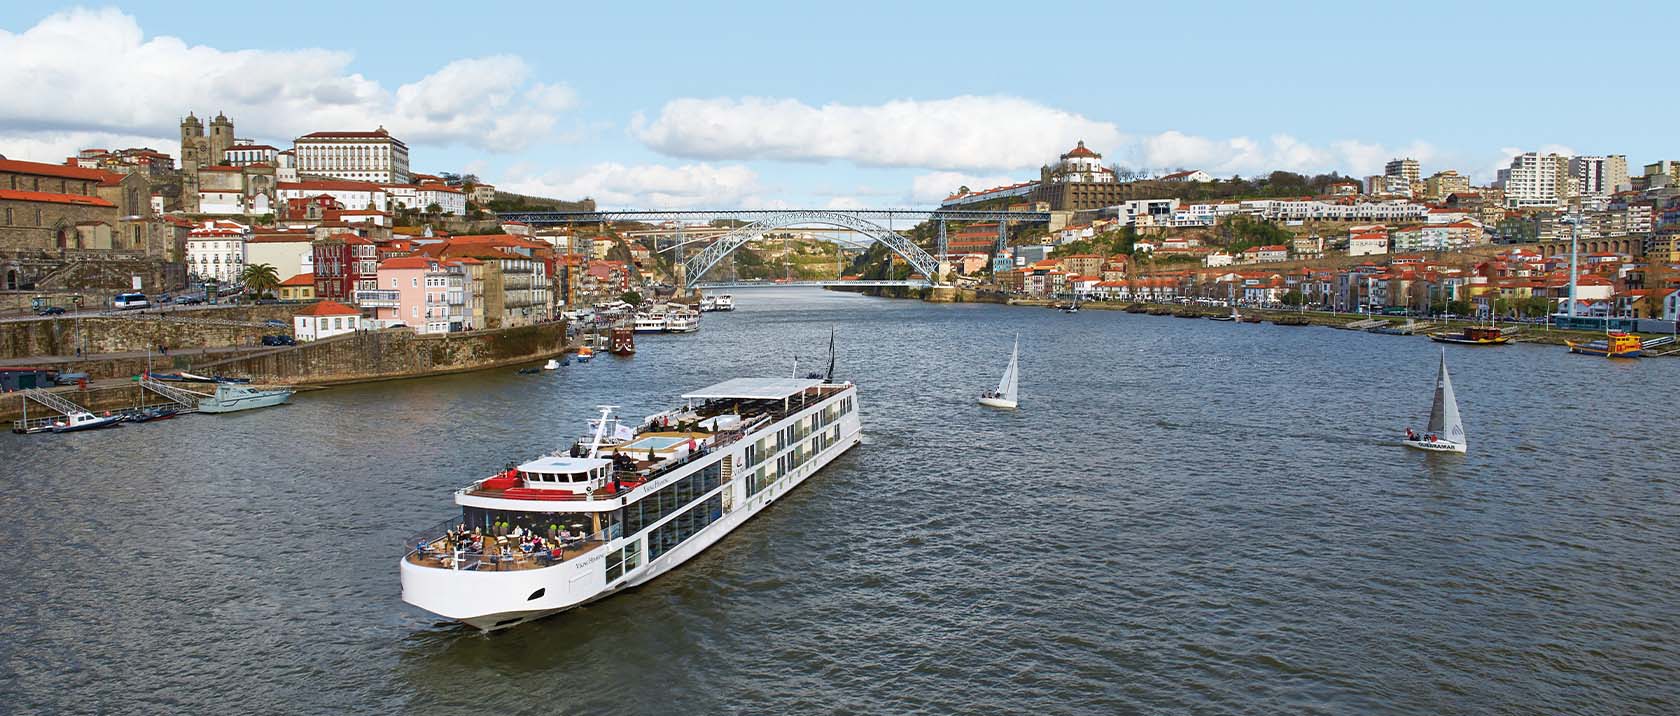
[564, 530]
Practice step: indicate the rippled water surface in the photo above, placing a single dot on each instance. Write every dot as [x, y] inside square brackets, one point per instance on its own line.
[1184, 516]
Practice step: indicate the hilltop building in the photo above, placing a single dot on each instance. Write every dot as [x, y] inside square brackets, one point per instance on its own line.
[359, 156]
[1078, 182]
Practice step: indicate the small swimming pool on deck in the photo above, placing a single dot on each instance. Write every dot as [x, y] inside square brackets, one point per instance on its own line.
[654, 442]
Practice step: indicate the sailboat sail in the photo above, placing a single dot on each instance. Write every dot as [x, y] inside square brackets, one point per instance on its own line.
[1443, 414]
[1011, 375]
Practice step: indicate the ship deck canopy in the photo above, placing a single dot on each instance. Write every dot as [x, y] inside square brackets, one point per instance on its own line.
[755, 389]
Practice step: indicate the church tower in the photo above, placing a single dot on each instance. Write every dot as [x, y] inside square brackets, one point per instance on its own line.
[192, 143]
[221, 139]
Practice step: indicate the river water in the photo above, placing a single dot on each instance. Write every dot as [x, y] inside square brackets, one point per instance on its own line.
[1185, 516]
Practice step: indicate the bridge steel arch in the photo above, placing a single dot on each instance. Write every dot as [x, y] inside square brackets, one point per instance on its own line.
[697, 265]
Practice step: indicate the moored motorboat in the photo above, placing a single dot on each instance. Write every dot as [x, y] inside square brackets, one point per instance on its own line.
[232, 398]
[552, 364]
[726, 302]
[584, 353]
[83, 420]
[1615, 344]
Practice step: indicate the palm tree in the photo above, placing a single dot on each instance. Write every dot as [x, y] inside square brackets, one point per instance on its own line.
[260, 278]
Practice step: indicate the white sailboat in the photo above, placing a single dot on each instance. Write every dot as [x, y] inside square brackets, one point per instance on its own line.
[1445, 432]
[1005, 395]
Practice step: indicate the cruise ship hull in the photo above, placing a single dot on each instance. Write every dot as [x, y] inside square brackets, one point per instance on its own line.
[492, 600]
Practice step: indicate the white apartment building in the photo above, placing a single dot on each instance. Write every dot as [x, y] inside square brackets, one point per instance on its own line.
[1405, 169]
[450, 199]
[1599, 177]
[1368, 244]
[1154, 212]
[1535, 181]
[1371, 211]
[350, 194]
[359, 156]
[216, 250]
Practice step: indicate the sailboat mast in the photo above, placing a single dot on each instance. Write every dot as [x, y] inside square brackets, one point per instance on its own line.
[830, 377]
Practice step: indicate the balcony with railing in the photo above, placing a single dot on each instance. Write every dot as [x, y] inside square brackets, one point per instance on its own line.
[378, 299]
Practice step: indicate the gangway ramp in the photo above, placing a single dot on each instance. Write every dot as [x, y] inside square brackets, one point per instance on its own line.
[52, 401]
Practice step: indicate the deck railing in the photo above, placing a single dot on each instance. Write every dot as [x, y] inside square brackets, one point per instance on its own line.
[429, 548]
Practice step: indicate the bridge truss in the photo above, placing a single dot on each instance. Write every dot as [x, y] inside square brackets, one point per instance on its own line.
[861, 221]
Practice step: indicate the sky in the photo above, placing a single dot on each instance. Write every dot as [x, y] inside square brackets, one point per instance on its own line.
[857, 104]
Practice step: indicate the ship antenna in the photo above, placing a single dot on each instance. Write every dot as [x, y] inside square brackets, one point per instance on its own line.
[600, 430]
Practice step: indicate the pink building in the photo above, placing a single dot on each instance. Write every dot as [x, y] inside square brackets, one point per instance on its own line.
[418, 292]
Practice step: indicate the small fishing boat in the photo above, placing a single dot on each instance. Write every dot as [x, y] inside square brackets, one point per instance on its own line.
[232, 398]
[1474, 336]
[1006, 394]
[83, 420]
[1231, 298]
[1616, 344]
[1445, 432]
[552, 364]
[146, 415]
[529, 371]
[584, 353]
[1290, 321]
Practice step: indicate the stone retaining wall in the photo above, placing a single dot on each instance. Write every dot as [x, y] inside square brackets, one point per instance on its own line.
[397, 353]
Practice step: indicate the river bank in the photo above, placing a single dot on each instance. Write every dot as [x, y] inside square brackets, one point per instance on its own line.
[1525, 333]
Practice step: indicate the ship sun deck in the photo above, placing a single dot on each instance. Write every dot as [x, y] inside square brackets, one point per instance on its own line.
[755, 401]
[500, 554]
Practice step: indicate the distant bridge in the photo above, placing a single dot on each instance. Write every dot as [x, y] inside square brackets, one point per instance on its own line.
[761, 221]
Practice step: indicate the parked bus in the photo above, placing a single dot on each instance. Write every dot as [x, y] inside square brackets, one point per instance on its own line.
[125, 301]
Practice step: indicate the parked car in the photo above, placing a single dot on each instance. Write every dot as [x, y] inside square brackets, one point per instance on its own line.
[52, 310]
[279, 340]
[276, 323]
[189, 300]
[163, 298]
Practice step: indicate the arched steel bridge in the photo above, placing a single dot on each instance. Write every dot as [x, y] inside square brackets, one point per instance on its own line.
[762, 221]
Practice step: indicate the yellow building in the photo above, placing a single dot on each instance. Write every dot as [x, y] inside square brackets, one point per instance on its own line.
[298, 288]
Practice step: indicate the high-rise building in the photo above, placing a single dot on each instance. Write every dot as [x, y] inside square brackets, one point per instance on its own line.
[1599, 177]
[1406, 169]
[1535, 181]
[359, 156]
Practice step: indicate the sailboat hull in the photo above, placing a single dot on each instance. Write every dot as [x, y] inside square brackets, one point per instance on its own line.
[1000, 403]
[1434, 446]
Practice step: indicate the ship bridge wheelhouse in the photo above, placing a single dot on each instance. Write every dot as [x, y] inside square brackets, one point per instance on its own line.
[572, 474]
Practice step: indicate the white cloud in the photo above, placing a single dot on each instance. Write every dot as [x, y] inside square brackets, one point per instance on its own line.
[845, 203]
[1247, 156]
[647, 186]
[962, 136]
[963, 133]
[95, 71]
